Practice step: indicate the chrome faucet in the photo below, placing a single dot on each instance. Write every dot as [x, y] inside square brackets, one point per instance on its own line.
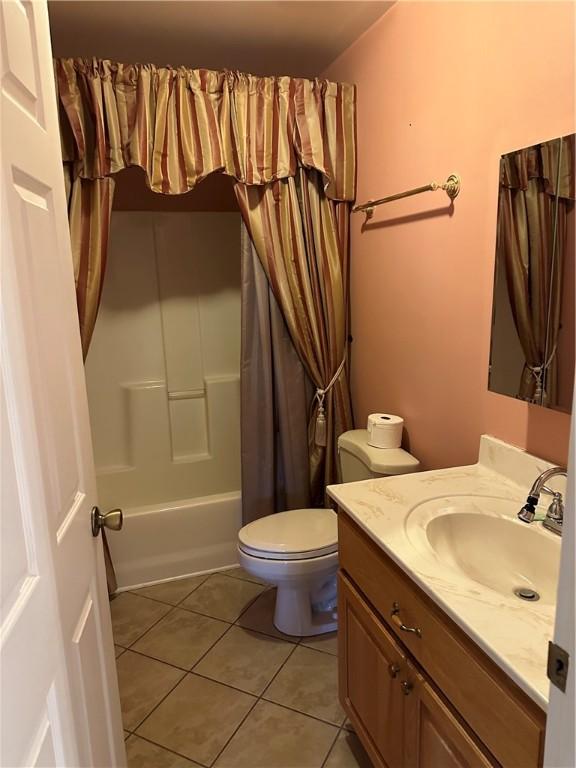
[555, 515]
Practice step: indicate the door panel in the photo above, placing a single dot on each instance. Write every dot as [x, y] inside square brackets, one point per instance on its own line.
[59, 690]
[371, 667]
[435, 738]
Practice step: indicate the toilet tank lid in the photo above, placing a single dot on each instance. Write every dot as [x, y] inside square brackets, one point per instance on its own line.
[383, 461]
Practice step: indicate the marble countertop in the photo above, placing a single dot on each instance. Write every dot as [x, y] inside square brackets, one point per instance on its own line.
[512, 632]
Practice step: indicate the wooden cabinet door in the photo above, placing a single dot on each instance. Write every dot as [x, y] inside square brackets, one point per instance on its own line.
[434, 737]
[371, 668]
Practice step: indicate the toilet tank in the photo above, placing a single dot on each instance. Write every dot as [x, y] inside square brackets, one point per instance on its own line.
[360, 461]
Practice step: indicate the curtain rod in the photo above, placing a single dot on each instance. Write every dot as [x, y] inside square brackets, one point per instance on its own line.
[451, 186]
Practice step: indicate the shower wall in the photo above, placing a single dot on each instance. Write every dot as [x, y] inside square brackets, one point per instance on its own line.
[164, 394]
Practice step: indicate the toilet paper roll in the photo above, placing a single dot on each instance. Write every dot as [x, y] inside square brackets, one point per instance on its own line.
[385, 430]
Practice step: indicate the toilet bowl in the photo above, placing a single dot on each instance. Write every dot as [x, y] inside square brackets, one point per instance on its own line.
[297, 550]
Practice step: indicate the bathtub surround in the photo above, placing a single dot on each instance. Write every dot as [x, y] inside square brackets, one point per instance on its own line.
[164, 392]
[458, 95]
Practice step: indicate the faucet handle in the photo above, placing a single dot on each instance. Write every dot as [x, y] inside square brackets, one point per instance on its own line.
[556, 508]
[555, 516]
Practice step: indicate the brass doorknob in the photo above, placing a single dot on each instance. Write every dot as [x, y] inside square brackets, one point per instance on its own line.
[112, 520]
[406, 687]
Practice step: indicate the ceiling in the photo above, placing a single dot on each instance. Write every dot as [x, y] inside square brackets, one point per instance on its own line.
[298, 38]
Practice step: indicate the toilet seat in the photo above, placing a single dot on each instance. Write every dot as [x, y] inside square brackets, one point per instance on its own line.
[297, 534]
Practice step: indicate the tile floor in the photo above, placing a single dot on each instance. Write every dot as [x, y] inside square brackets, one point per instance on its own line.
[207, 680]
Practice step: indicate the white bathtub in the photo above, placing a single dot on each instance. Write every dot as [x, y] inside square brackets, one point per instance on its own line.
[179, 538]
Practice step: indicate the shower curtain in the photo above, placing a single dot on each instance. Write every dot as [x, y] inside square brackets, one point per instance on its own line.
[302, 240]
[275, 394]
[180, 125]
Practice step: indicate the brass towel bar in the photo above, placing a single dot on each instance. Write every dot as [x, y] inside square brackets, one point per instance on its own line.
[451, 186]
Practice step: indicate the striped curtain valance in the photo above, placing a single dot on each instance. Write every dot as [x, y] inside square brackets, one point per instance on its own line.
[180, 125]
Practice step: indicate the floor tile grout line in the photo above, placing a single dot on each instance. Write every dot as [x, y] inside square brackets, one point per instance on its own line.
[293, 709]
[283, 706]
[242, 612]
[226, 685]
[217, 682]
[240, 724]
[180, 669]
[333, 745]
[160, 661]
[260, 696]
[155, 707]
[172, 608]
[209, 765]
[280, 668]
[267, 634]
[311, 647]
[258, 699]
[191, 671]
[164, 602]
[167, 749]
[251, 603]
[214, 644]
[183, 607]
[137, 592]
[242, 578]
[300, 712]
[330, 748]
[137, 651]
[157, 600]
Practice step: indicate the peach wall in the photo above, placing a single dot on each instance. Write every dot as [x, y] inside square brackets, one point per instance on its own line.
[446, 87]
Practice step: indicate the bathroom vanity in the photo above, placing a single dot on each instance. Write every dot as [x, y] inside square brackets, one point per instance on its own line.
[442, 664]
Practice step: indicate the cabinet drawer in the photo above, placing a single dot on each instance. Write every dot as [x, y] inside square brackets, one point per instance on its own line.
[504, 718]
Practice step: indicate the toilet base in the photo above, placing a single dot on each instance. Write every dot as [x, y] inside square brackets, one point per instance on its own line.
[293, 614]
[299, 585]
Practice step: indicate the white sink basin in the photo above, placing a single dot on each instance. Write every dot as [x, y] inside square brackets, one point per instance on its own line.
[488, 547]
[497, 552]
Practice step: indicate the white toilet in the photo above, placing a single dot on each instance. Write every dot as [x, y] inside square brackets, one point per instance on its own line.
[297, 550]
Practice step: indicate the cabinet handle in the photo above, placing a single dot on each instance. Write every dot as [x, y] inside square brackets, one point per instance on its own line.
[395, 613]
[393, 670]
[406, 687]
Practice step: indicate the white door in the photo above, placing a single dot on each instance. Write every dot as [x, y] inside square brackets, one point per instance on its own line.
[59, 693]
[560, 747]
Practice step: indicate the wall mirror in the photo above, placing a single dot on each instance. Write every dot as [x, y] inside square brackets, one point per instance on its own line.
[532, 345]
